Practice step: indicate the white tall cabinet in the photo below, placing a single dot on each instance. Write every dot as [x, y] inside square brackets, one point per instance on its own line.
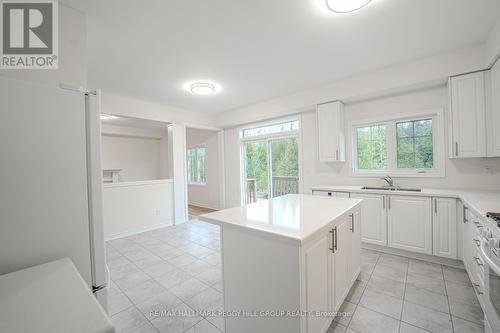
[330, 128]
[468, 115]
[409, 223]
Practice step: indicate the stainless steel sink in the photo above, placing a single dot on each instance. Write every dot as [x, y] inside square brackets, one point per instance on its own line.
[378, 188]
[393, 188]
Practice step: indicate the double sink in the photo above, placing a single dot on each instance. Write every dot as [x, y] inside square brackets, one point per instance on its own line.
[391, 188]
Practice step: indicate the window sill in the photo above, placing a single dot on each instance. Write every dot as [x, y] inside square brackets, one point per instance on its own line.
[197, 184]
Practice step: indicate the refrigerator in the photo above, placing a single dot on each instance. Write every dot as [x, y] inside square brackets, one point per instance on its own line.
[51, 180]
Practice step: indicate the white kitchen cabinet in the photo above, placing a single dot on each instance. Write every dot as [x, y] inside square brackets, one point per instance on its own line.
[468, 115]
[331, 194]
[317, 261]
[341, 261]
[444, 224]
[330, 128]
[374, 221]
[409, 223]
[493, 113]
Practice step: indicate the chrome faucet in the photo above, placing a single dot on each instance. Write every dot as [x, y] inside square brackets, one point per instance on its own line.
[389, 180]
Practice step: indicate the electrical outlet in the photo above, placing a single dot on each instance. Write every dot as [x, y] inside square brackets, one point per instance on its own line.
[156, 212]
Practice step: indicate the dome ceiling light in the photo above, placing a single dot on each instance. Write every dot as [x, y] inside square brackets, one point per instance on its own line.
[202, 87]
[346, 6]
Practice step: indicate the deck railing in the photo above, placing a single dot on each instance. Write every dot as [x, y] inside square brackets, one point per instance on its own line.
[281, 185]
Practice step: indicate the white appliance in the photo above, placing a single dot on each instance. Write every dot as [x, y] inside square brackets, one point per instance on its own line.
[50, 180]
[490, 254]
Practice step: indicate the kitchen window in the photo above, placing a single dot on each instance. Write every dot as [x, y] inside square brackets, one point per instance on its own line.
[411, 146]
[196, 165]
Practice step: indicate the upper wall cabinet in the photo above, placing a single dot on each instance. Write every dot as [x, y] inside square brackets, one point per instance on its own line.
[468, 115]
[493, 113]
[331, 137]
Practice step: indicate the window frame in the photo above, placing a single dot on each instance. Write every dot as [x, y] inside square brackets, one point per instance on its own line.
[438, 145]
[198, 181]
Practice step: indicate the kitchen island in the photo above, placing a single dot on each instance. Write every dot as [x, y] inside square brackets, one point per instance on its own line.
[288, 262]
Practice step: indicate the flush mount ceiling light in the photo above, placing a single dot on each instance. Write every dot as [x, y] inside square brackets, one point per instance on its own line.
[346, 6]
[202, 87]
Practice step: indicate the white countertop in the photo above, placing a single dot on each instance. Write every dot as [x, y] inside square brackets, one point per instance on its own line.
[294, 216]
[481, 201]
[51, 298]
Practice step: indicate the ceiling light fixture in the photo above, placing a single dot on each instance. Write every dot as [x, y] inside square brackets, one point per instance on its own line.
[346, 6]
[202, 87]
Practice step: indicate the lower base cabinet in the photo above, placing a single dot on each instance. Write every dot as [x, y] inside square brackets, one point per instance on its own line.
[444, 226]
[409, 223]
[374, 222]
[331, 262]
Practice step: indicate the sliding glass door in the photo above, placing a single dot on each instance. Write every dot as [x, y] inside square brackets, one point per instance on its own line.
[271, 168]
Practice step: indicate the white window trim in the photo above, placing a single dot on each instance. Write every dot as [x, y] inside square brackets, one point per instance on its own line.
[438, 171]
[197, 183]
[268, 137]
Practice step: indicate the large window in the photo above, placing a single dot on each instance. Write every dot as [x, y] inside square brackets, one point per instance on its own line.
[196, 165]
[270, 159]
[405, 146]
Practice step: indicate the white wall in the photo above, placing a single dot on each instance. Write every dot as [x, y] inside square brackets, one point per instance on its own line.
[205, 195]
[140, 153]
[136, 207]
[425, 72]
[72, 53]
[493, 44]
[460, 173]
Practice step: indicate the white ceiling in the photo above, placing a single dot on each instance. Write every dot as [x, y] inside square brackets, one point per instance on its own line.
[261, 49]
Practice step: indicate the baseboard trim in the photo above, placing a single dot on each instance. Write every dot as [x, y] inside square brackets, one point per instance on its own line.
[136, 231]
[413, 255]
[202, 206]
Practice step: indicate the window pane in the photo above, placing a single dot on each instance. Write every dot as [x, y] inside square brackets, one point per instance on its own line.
[287, 126]
[371, 144]
[414, 141]
[201, 165]
[191, 161]
[257, 171]
[285, 166]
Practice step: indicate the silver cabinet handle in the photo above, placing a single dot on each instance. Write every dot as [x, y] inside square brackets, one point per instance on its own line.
[456, 148]
[389, 202]
[352, 222]
[335, 247]
[435, 206]
[383, 201]
[337, 154]
[465, 215]
[478, 262]
[332, 248]
[476, 287]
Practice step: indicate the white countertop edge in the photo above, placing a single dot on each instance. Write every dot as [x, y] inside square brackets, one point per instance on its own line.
[138, 183]
[469, 197]
[277, 234]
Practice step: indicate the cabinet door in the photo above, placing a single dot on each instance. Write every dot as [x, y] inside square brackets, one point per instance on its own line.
[493, 113]
[444, 224]
[316, 259]
[468, 115]
[341, 261]
[374, 218]
[330, 126]
[409, 223]
[355, 261]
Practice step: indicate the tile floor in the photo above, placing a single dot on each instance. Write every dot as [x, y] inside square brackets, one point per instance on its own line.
[178, 269]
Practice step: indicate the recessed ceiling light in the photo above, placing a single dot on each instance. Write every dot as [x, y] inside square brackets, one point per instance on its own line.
[346, 6]
[107, 116]
[203, 87]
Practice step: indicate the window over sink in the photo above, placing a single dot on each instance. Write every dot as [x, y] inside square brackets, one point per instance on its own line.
[409, 145]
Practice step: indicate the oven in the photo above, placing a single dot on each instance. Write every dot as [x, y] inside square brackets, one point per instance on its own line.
[490, 253]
